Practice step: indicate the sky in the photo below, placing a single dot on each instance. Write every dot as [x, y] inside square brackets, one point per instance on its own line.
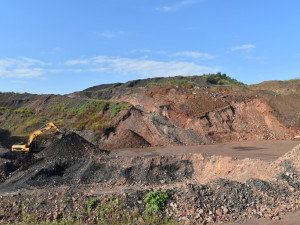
[62, 46]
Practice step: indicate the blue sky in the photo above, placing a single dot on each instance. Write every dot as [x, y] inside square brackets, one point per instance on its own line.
[62, 46]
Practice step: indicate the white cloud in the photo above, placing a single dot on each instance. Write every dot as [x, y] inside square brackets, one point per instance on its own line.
[193, 54]
[246, 47]
[57, 49]
[177, 6]
[22, 73]
[77, 62]
[21, 68]
[145, 68]
[110, 34]
[24, 67]
[143, 50]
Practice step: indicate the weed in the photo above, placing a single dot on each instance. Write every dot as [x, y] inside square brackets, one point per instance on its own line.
[97, 115]
[24, 111]
[68, 200]
[93, 203]
[173, 82]
[93, 212]
[4, 109]
[156, 200]
[95, 139]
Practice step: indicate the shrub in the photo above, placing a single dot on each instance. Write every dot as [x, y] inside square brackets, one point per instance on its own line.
[93, 203]
[156, 200]
[68, 200]
[221, 79]
[24, 111]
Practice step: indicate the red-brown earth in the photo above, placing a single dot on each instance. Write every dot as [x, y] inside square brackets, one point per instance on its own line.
[222, 153]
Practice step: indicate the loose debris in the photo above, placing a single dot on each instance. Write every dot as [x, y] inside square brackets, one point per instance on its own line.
[58, 182]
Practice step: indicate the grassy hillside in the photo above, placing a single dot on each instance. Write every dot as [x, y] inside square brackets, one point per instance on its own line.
[94, 115]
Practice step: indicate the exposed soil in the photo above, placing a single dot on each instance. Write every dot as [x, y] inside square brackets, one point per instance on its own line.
[201, 187]
[222, 154]
[164, 114]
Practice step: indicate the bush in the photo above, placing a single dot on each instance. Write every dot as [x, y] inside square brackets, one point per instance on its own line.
[24, 111]
[156, 200]
[93, 203]
[221, 79]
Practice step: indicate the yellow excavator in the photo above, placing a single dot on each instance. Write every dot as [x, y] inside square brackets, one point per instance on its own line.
[26, 147]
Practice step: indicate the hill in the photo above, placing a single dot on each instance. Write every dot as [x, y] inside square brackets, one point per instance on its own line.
[181, 110]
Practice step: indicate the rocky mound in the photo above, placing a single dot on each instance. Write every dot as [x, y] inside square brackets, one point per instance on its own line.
[66, 161]
[129, 139]
[71, 146]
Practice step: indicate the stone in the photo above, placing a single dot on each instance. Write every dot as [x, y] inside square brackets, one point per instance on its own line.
[201, 211]
[225, 210]
[256, 216]
[219, 212]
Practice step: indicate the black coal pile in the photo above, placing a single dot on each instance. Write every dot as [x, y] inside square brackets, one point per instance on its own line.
[71, 146]
[65, 162]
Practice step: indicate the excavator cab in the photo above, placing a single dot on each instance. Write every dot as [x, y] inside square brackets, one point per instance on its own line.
[20, 148]
[26, 147]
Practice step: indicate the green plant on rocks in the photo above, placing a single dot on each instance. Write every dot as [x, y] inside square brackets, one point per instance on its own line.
[156, 200]
[68, 200]
[93, 203]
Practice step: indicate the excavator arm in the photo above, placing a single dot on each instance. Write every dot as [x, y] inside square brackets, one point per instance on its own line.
[26, 148]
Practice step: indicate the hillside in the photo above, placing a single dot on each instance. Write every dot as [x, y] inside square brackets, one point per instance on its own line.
[161, 112]
[177, 150]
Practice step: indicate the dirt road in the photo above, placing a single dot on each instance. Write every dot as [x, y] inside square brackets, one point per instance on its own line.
[265, 150]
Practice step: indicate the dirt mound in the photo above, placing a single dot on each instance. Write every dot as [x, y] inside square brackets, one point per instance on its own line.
[66, 161]
[200, 188]
[71, 146]
[126, 139]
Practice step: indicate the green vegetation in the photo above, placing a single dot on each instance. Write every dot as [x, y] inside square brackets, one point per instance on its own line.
[221, 79]
[95, 115]
[189, 77]
[68, 200]
[173, 82]
[21, 121]
[24, 112]
[59, 110]
[117, 107]
[156, 200]
[181, 82]
[4, 109]
[93, 203]
[108, 211]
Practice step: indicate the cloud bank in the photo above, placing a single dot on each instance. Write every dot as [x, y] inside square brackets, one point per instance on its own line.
[104, 65]
[143, 67]
[21, 68]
